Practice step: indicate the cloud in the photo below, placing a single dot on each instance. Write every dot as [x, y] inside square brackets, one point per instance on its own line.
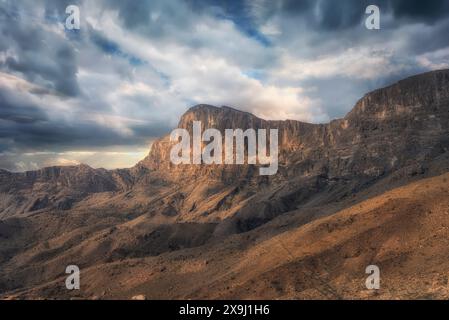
[35, 123]
[104, 158]
[39, 54]
[415, 10]
[135, 66]
[332, 16]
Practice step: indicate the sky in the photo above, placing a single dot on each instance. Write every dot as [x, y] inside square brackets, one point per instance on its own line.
[102, 94]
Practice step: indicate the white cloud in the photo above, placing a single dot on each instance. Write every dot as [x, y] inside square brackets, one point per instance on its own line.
[354, 63]
[213, 74]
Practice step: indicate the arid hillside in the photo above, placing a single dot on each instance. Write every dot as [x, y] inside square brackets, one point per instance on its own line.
[404, 231]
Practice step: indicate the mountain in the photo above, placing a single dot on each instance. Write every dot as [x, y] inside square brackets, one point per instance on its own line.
[337, 183]
[405, 121]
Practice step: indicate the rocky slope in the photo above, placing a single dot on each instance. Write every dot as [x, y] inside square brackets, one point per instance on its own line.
[404, 232]
[97, 218]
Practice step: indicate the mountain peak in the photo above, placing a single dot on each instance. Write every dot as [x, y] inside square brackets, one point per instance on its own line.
[201, 107]
[407, 95]
[217, 117]
[212, 108]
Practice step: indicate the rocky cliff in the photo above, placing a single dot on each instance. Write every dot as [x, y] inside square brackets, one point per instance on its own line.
[387, 129]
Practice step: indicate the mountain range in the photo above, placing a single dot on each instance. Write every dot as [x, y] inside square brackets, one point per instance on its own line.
[370, 188]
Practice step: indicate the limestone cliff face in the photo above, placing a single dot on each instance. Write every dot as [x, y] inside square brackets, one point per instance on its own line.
[387, 129]
[405, 123]
[293, 137]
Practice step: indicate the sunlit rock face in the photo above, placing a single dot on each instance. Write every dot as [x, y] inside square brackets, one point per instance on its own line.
[387, 129]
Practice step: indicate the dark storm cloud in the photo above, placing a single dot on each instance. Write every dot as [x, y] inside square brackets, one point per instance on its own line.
[155, 18]
[18, 111]
[332, 15]
[429, 11]
[327, 15]
[335, 15]
[26, 126]
[133, 13]
[59, 135]
[37, 54]
[429, 39]
[26, 133]
[321, 14]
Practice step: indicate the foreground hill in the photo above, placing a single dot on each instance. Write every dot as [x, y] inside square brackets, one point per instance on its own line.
[404, 231]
